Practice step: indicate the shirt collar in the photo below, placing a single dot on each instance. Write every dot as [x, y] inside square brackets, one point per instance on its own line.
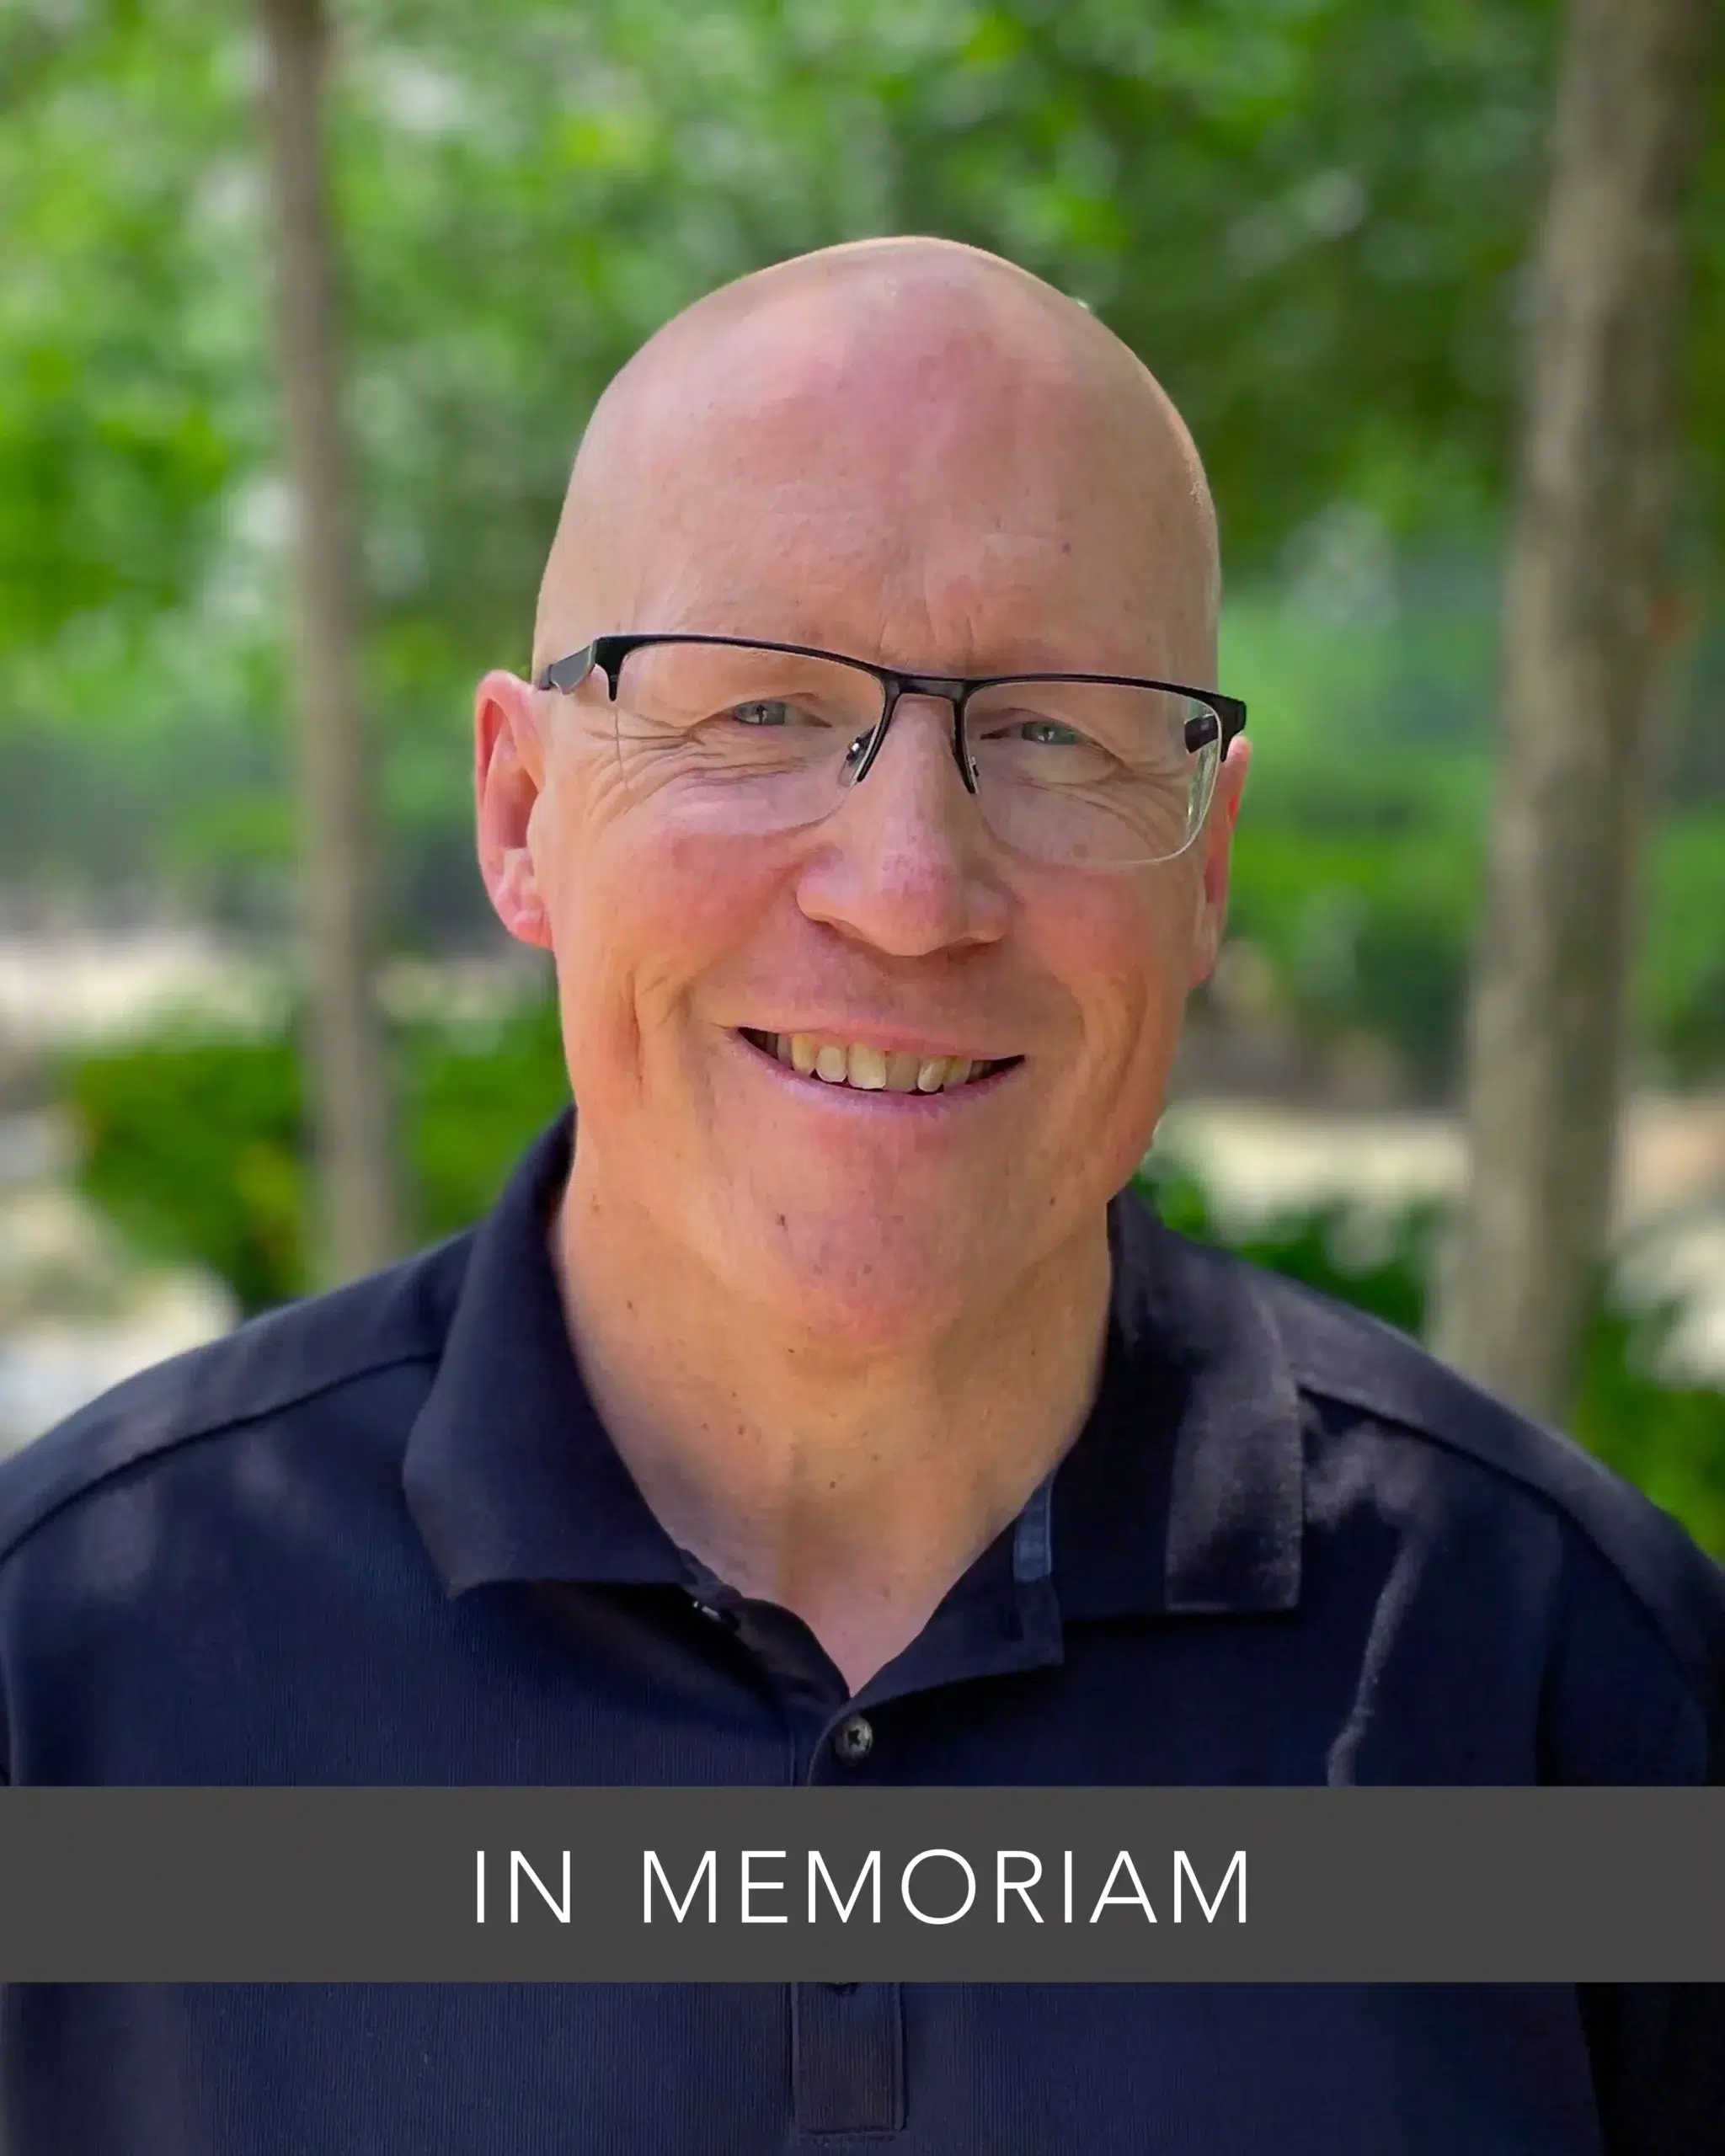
[1184, 1492]
[510, 1474]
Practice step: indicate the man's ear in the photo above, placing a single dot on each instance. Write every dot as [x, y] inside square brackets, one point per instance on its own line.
[1215, 850]
[509, 775]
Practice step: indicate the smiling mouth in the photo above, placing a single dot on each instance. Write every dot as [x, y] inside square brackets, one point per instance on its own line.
[871, 1070]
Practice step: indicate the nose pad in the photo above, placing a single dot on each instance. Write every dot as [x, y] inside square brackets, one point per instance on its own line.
[875, 739]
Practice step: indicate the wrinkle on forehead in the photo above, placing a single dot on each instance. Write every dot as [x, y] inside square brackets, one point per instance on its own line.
[850, 399]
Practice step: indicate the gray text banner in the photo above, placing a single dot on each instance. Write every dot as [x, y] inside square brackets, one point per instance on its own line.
[954, 1884]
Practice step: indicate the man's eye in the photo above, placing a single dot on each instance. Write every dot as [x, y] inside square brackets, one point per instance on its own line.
[1041, 732]
[767, 711]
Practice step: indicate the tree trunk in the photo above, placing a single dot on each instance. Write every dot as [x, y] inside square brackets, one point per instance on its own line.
[356, 1229]
[1546, 1019]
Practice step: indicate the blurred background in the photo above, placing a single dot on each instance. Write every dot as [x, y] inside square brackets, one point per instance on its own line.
[280, 286]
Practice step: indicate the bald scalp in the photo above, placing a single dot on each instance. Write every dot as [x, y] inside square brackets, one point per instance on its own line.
[913, 368]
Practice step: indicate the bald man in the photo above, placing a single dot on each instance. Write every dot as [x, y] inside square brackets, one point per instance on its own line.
[824, 1407]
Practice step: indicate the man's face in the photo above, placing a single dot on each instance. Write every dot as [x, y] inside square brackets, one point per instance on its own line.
[927, 507]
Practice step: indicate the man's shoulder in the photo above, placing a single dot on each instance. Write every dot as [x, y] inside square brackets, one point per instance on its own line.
[1362, 1377]
[272, 1366]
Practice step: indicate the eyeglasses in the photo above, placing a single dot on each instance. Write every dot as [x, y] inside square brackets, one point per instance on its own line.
[1100, 771]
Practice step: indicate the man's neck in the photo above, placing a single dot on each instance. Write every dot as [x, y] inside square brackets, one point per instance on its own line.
[853, 1494]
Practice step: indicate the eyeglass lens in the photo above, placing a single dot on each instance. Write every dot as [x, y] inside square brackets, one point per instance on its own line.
[1073, 772]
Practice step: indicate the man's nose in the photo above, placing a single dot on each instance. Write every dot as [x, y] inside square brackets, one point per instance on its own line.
[900, 869]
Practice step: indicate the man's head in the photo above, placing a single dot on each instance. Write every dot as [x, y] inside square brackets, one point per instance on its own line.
[914, 454]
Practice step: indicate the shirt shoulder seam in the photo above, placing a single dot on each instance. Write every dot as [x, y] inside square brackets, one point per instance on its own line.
[156, 1444]
[1692, 1668]
[160, 1425]
[1676, 1585]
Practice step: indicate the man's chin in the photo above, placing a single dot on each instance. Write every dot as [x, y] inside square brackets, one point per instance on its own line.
[872, 1280]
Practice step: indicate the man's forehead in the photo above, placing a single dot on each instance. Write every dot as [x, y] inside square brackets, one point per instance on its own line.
[874, 411]
[941, 364]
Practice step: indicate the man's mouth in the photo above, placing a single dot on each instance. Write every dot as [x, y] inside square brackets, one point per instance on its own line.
[871, 1070]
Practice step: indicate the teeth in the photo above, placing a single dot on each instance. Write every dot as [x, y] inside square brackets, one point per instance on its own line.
[869, 1068]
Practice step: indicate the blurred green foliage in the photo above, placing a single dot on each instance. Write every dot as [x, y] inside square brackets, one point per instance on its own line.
[196, 1145]
[1668, 1439]
[1383, 1271]
[472, 1100]
[194, 1148]
[1362, 845]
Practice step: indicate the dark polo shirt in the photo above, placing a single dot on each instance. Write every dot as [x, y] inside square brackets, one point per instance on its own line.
[380, 1537]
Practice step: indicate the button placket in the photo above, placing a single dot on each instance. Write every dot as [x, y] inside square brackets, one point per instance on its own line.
[847, 2045]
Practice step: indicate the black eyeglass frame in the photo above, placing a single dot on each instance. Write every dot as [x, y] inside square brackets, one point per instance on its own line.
[608, 652]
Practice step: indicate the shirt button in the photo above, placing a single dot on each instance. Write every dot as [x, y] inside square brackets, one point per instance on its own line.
[853, 1740]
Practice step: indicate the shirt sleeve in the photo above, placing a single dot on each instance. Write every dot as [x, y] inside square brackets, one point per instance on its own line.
[1658, 2050]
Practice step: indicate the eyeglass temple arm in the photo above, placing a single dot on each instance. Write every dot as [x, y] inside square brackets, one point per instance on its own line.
[1225, 722]
[607, 653]
[567, 674]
